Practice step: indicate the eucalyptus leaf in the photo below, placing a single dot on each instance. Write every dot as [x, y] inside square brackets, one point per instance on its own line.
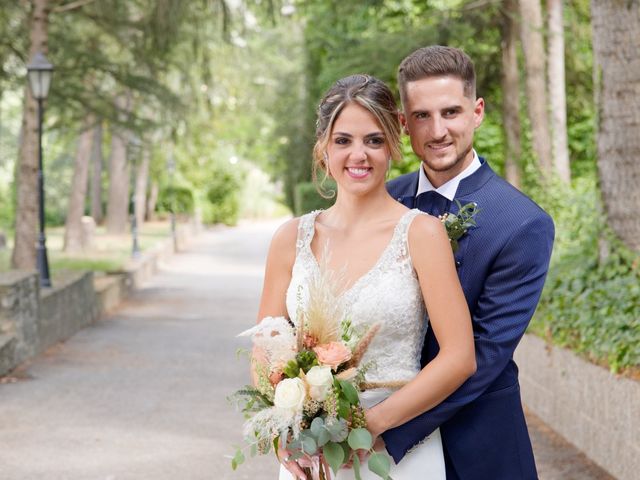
[334, 454]
[379, 464]
[338, 430]
[317, 426]
[238, 459]
[360, 438]
[323, 437]
[309, 445]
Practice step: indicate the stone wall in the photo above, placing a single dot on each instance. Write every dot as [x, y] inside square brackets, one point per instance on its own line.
[593, 409]
[33, 319]
[19, 313]
[66, 307]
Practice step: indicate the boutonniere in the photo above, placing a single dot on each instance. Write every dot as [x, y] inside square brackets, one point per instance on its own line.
[457, 224]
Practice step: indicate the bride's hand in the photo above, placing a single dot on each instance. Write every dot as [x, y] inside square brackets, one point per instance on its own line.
[284, 456]
[375, 423]
[379, 445]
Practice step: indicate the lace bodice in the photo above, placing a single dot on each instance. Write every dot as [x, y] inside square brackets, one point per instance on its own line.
[389, 293]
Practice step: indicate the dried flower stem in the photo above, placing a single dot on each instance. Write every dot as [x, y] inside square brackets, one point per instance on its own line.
[363, 345]
[374, 385]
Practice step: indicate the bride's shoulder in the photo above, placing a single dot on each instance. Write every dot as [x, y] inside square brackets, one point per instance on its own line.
[286, 234]
[425, 226]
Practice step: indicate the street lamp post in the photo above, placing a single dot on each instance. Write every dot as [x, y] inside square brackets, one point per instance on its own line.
[171, 167]
[135, 146]
[39, 72]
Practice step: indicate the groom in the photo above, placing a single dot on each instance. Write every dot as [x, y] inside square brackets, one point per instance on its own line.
[502, 264]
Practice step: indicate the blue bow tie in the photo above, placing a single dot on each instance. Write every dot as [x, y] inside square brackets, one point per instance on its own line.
[433, 203]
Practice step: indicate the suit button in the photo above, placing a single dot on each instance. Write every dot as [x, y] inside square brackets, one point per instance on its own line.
[458, 263]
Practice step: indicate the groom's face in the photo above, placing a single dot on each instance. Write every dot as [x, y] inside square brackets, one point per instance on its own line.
[441, 120]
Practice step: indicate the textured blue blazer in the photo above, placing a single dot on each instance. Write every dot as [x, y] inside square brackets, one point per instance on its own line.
[502, 264]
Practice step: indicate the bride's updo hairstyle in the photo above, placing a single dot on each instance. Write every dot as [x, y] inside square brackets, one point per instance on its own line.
[371, 94]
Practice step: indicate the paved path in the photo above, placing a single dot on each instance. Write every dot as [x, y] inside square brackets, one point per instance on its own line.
[141, 394]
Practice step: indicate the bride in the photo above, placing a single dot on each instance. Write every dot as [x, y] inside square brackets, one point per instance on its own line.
[397, 263]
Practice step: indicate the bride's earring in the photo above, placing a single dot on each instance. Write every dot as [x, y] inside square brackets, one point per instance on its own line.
[326, 164]
[388, 168]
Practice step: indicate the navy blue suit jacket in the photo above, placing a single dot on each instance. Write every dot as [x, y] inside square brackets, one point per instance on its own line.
[502, 264]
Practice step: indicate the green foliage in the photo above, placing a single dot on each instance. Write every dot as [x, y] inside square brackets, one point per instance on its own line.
[176, 199]
[307, 359]
[308, 199]
[379, 464]
[334, 455]
[360, 438]
[591, 302]
[222, 197]
[291, 369]
[251, 399]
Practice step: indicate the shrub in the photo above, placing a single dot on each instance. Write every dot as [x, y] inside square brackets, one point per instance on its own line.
[176, 199]
[222, 204]
[591, 301]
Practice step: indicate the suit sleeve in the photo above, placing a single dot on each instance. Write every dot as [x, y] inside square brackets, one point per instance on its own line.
[505, 307]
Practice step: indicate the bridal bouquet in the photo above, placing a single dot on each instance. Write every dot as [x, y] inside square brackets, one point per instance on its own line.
[305, 399]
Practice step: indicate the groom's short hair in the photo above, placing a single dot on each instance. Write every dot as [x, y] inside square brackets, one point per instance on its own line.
[437, 61]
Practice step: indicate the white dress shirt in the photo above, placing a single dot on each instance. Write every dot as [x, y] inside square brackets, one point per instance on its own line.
[449, 188]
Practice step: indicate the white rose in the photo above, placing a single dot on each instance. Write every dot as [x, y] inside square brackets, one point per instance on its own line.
[320, 382]
[290, 394]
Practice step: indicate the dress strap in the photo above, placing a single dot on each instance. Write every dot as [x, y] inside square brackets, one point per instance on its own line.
[401, 235]
[306, 229]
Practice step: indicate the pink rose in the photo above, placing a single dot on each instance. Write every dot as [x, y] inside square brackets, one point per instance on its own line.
[332, 354]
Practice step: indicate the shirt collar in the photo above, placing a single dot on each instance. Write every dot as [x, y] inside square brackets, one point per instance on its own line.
[449, 188]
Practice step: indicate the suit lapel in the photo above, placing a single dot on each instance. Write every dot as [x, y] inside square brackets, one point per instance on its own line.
[406, 195]
[475, 181]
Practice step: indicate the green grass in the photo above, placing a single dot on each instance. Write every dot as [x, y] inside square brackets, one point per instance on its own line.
[109, 253]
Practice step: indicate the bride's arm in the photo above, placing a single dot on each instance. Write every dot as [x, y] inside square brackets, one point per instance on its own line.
[451, 323]
[277, 275]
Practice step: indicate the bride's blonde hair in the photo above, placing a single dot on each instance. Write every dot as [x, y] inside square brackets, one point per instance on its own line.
[368, 92]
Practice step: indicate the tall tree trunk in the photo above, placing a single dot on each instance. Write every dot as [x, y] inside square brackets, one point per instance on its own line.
[511, 91]
[616, 41]
[24, 250]
[73, 226]
[557, 91]
[142, 179]
[96, 174]
[534, 56]
[119, 175]
[152, 202]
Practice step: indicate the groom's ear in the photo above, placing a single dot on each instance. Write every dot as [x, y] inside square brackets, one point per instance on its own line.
[403, 122]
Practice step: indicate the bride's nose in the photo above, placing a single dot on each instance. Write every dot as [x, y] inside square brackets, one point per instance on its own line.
[359, 153]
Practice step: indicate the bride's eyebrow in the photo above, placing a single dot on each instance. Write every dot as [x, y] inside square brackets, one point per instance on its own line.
[374, 134]
[368, 135]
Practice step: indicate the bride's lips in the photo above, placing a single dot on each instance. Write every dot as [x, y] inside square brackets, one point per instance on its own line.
[358, 172]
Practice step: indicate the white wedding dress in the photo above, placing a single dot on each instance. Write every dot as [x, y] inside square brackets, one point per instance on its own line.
[390, 294]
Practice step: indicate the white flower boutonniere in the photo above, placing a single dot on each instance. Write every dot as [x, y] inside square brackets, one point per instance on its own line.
[457, 224]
